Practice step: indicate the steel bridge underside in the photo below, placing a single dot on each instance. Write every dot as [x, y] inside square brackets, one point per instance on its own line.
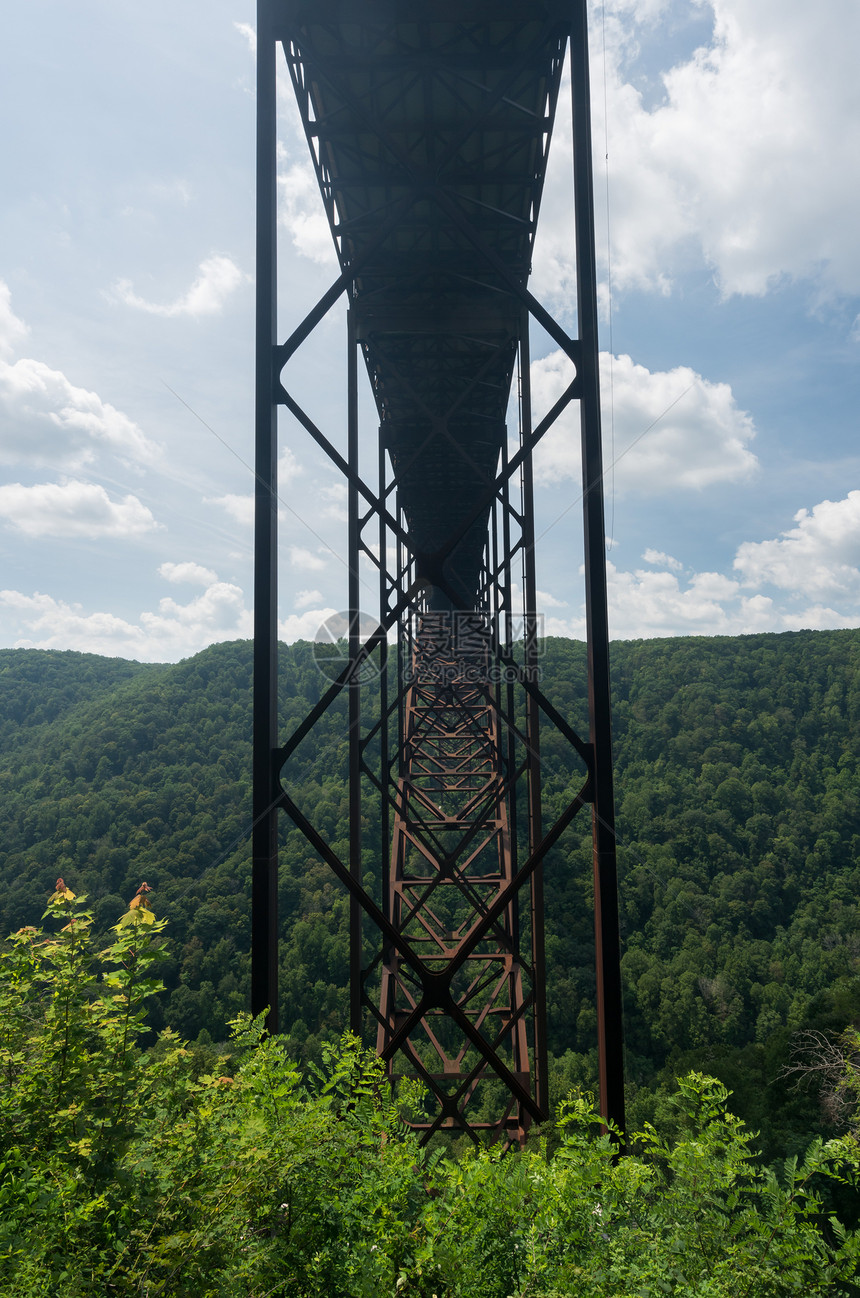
[429, 140]
[428, 127]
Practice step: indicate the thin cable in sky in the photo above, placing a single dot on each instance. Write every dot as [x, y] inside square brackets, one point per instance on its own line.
[257, 478]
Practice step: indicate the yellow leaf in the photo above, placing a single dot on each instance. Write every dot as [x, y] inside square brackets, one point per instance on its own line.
[65, 895]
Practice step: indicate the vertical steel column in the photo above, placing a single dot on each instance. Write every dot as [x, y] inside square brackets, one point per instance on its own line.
[354, 686]
[530, 648]
[507, 710]
[609, 1021]
[264, 878]
[384, 774]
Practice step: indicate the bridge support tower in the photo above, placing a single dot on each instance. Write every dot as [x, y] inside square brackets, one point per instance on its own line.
[428, 126]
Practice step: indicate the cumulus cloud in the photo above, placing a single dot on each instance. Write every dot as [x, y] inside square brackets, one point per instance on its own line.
[289, 467]
[333, 500]
[746, 139]
[733, 163]
[545, 600]
[821, 553]
[308, 598]
[219, 277]
[806, 578]
[644, 603]
[305, 559]
[48, 420]
[193, 573]
[250, 34]
[302, 211]
[72, 509]
[12, 330]
[220, 608]
[672, 428]
[173, 631]
[303, 626]
[662, 560]
[240, 508]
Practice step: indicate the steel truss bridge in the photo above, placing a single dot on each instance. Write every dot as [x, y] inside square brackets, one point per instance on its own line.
[429, 125]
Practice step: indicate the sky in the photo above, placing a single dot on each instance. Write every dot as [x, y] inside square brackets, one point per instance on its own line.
[727, 181]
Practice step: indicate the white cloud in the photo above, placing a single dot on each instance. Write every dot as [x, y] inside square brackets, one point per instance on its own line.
[545, 600]
[812, 571]
[303, 626]
[333, 499]
[250, 34]
[645, 11]
[54, 624]
[47, 420]
[240, 508]
[174, 631]
[645, 603]
[671, 428]
[188, 572]
[308, 598]
[303, 214]
[749, 160]
[288, 467]
[220, 608]
[219, 277]
[817, 617]
[72, 509]
[305, 559]
[662, 560]
[820, 554]
[745, 140]
[170, 632]
[12, 330]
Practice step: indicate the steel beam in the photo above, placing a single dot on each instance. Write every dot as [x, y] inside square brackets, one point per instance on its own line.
[264, 886]
[609, 1006]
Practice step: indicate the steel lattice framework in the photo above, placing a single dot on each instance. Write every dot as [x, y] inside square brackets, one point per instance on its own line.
[429, 127]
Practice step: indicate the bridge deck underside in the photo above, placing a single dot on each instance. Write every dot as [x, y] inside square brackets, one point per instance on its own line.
[430, 140]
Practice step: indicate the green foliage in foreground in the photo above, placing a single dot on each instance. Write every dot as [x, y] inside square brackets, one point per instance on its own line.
[163, 1171]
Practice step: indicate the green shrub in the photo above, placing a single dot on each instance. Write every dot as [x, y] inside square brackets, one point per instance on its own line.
[176, 1170]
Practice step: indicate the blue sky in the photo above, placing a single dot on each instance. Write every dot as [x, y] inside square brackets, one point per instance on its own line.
[727, 140]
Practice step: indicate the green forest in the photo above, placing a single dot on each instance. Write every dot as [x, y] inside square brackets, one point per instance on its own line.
[738, 820]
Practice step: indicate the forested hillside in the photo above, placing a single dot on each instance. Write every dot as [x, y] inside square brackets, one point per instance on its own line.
[738, 812]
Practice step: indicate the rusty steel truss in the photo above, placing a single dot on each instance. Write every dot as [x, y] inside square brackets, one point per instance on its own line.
[429, 126]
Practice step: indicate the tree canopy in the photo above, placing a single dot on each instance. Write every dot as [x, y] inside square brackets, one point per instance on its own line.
[738, 821]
